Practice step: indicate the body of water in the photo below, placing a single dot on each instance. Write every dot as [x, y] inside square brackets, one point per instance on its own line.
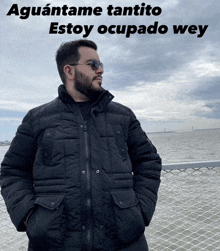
[190, 146]
[179, 147]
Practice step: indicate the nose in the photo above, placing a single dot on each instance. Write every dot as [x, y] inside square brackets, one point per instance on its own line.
[99, 70]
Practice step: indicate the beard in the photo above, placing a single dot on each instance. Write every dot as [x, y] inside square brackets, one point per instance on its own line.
[84, 85]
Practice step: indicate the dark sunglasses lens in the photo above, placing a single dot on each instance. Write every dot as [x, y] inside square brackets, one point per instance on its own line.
[95, 64]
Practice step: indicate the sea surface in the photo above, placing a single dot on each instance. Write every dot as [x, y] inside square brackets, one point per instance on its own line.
[189, 146]
[179, 147]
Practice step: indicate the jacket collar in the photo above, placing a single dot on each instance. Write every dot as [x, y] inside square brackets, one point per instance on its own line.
[99, 105]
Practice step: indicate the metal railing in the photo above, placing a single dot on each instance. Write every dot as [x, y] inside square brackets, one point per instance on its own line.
[187, 215]
[177, 166]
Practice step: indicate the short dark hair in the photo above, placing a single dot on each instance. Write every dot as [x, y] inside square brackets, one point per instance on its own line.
[68, 53]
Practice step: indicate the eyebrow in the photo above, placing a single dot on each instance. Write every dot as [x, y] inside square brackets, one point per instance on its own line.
[88, 60]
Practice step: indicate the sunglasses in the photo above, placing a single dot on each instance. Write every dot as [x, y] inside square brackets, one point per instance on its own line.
[94, 64]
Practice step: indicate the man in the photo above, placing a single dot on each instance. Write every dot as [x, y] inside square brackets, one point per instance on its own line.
[80, 174]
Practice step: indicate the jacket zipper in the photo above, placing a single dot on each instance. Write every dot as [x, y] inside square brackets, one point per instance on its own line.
[88, 191]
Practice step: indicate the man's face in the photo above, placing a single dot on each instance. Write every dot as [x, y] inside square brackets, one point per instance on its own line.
[88, 81]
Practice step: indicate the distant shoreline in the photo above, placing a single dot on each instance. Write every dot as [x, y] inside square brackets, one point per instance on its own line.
[183, 130]
[7, 143]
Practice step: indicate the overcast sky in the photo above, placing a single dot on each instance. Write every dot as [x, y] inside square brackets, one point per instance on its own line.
[170, 80]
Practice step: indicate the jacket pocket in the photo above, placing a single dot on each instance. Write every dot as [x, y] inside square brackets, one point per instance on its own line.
[120, 141]
[46, 227]
[46, 146]
[129, 221]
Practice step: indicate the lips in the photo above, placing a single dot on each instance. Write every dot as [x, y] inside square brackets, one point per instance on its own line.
[97, 78]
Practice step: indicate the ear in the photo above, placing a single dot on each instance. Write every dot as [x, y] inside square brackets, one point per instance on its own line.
[69, 71]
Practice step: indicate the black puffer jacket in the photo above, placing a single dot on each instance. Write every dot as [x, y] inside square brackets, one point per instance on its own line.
[91, 184]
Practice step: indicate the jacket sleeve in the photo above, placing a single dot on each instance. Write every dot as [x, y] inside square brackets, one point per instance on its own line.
[146, 165]
[16, 174]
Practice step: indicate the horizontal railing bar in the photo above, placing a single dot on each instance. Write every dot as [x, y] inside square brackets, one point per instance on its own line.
[175, 166]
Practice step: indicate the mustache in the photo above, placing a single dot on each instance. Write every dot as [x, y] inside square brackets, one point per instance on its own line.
[99, 76]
